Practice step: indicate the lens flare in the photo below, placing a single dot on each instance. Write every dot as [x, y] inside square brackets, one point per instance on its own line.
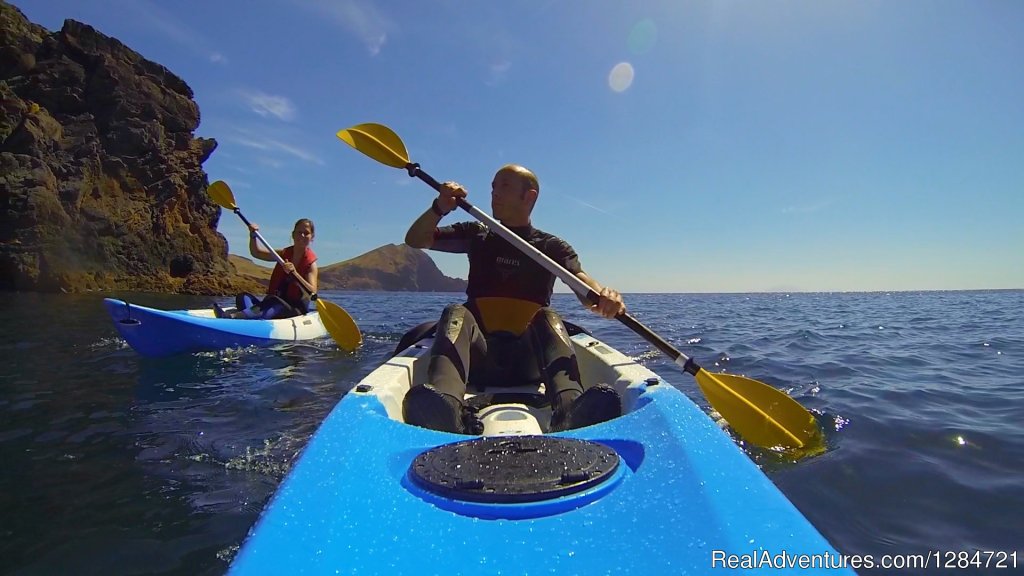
[621, 77]
[642, 36]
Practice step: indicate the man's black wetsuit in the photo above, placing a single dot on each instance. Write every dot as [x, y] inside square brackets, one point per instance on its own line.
[497, 268]
[464, 350]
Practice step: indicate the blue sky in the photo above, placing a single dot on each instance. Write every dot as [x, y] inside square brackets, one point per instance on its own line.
[682, 146]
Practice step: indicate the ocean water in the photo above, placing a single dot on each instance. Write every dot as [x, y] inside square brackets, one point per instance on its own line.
[115, 464]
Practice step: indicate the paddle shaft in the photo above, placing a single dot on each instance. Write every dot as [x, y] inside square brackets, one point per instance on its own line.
[280, 260]
[578, 286]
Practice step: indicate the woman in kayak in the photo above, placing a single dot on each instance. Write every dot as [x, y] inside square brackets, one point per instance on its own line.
[285, 297]
[505, 334]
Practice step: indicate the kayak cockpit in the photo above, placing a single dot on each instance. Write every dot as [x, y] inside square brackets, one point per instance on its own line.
[509, 411]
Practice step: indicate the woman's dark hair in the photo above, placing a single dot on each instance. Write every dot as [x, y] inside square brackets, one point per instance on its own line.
[302, 221]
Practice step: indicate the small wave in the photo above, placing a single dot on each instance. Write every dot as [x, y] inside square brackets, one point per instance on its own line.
[266, 460]
[229, 355]
[111, 343]
[645, 356]
[226, 555]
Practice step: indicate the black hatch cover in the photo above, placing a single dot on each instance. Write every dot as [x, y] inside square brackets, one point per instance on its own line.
[507, 469]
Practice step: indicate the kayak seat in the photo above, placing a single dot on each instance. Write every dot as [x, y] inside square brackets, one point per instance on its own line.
[505, 404]
[511, 419]
[533, 399]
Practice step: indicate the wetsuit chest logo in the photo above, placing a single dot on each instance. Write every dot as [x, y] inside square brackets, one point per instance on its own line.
[506, 266]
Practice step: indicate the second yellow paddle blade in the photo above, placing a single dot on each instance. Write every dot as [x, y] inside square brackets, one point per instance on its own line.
[761, 414]
[378, 142]
[222, 195]
[339, 325]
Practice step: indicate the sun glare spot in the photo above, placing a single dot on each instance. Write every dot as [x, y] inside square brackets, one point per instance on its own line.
[621, 77]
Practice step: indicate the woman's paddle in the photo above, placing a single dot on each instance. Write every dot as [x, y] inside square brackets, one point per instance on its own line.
[339, 324]
[759, 413]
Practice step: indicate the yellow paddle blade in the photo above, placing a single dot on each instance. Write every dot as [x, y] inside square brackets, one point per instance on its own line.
[378, 142]
[221, 194]
[339, 325]
[761, 414]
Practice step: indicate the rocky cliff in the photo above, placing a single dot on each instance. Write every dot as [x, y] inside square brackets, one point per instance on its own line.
[101, 179]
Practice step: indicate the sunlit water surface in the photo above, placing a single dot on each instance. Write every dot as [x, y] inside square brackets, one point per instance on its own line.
[117, 464]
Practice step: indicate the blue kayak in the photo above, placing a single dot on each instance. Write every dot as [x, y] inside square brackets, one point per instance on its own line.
[659, 490]
[153, 332]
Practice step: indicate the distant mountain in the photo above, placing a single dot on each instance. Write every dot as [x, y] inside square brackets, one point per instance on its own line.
[392, 268]
[249, 269]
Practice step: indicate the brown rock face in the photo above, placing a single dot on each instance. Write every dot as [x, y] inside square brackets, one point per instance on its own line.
[101, 179]
[396, 268]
